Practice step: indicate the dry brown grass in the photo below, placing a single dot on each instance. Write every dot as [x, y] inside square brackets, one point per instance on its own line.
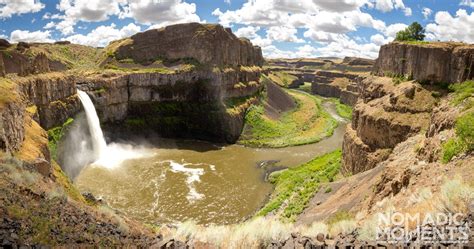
[35, 139]
[7, 92]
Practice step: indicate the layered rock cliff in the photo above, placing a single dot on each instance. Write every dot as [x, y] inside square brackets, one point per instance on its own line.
[336, 85]
[435, 62]
[389, 112]
[207, 43]
[204, 101]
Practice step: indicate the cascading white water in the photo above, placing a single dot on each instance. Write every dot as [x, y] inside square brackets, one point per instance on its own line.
[98, 142]
[105, 155]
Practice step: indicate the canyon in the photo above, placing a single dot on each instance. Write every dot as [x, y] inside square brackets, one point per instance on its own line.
[200, 81]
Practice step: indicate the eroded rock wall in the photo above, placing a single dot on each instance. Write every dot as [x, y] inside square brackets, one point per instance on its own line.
[190, 104]
[209, 44]
[385, 116]
[12, 132]
[434, 62]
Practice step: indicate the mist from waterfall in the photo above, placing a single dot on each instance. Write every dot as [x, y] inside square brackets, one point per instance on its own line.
[106, 155]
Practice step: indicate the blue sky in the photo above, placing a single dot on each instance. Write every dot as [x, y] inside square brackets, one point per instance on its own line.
[283, 28]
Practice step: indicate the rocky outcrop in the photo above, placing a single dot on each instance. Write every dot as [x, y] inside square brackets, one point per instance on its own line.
[336, 85]
[4, 44]
[12, 132]
[326, 90]
[209, 44]
[54, 96]
[434, 62]
[16, 62]
[385, 116]
[356, 61]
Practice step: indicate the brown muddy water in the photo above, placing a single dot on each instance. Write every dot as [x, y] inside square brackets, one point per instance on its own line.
[197, 180]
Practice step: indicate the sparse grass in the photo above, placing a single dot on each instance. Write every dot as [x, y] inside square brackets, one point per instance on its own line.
[464, 139]
[254, 233]
[282, 78]
[343, 110]
[307, 123]
[455, 196]
[71, 55]
[66, 183]
[306, 87]
[339, 216]
[462, 91]
[8, 93]
[295, 187]
[414, 42]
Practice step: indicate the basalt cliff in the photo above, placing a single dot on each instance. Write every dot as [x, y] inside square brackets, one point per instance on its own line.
[186, 80]
[410, 132]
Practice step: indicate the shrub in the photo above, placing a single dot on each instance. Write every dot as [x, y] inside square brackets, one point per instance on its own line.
[414, 32]
[451, 148]
[465, 130]
[462, 91]
[456, 196]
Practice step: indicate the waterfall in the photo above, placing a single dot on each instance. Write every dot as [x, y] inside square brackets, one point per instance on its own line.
[98, 142]
[107, 155]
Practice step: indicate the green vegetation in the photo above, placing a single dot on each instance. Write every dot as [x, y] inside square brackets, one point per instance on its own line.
[54, 136]
[306, 87]
[414, 32]
[462, 91]
[464, 140]
[451, 148]
[295, 187]
[307, 123]
[70, 55]
[343, 110]
[282, 78]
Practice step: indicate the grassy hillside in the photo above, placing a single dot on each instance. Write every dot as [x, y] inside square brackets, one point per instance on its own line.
[308, 123]
[294, 187]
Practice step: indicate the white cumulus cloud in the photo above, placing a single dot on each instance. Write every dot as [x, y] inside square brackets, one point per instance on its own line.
[28, 36]
[459, 27]
[161, 13]
[8, 8]
[389, 5]
[248, 32]
[102, 35]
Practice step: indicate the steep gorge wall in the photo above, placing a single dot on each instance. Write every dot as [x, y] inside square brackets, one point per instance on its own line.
[191, 104]
[385, 115]
[435, 62]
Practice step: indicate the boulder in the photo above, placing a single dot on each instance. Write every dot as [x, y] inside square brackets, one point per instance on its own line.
[209, 44]
[4, 43]
[22, 45]
[63, 42]
[433, 62]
